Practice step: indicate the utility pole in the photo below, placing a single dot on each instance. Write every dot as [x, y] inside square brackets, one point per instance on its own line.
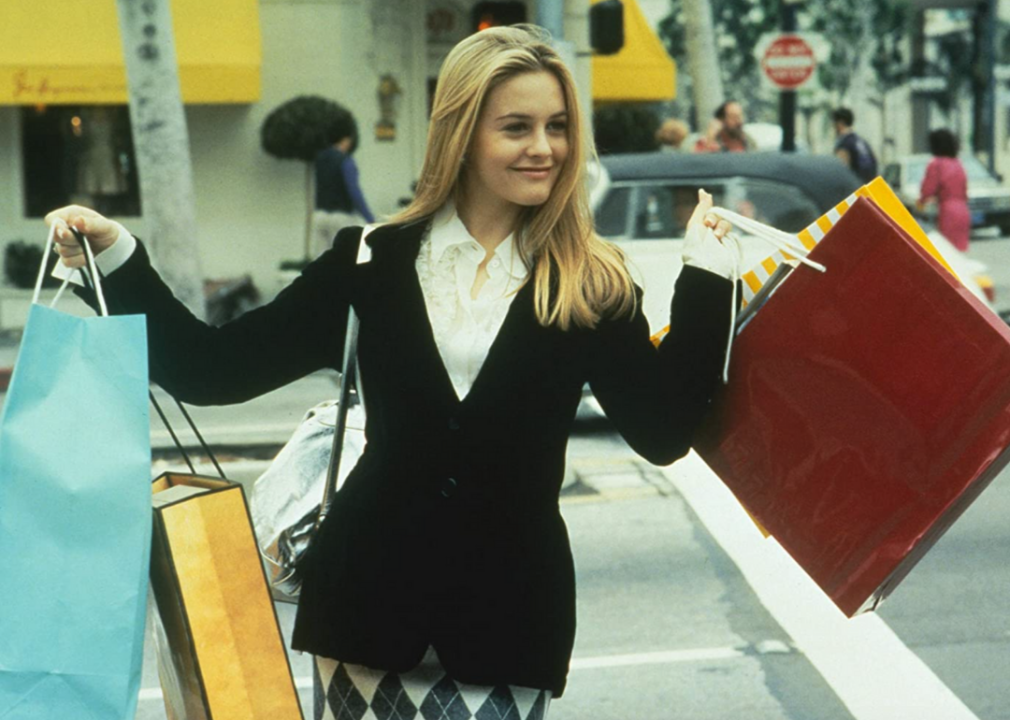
[988, 124]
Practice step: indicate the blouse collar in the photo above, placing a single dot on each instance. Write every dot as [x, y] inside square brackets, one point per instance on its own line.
[447, 231]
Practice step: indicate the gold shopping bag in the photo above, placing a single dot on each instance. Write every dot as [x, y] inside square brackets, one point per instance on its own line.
[220, 651]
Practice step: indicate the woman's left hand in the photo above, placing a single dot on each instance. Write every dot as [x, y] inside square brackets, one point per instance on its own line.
[704, 245]
[701, 216]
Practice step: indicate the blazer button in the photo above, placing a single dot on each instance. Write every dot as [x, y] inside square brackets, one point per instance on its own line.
[453, 423]
[449, 487]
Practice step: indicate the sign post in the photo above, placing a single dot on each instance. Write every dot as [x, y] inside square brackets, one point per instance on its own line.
[788, 62]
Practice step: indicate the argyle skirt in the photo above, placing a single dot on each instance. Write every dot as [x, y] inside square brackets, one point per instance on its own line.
[352, 692]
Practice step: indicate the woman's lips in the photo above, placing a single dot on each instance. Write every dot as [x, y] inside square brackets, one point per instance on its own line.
[535, 173]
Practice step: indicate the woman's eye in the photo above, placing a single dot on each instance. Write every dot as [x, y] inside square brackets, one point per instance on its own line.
[558, 127]
[515, 128]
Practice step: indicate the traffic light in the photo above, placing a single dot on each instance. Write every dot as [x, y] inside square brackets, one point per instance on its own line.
[606, 27]
[494, 14]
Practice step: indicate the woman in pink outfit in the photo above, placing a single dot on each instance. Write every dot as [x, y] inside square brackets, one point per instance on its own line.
[946, 183]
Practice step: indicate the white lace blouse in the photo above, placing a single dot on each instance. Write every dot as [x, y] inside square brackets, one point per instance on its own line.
[464, 328]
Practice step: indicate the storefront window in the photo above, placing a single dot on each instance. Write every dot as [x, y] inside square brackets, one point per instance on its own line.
[79, 154]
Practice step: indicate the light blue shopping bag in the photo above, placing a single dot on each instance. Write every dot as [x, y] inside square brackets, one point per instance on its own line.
[75, 519]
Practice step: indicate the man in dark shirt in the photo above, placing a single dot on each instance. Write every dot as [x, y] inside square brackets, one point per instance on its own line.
[851, 149]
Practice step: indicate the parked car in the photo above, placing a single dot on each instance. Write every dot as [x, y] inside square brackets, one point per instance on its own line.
[988, 199]
[643, 202]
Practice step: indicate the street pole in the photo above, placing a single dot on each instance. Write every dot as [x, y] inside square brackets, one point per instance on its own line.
[551, 17]
[989, 105]
[787, 98]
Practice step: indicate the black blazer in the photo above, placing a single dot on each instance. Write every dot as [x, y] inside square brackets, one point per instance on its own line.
[448, 531]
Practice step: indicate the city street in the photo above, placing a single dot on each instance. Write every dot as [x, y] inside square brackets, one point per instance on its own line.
[541, 176]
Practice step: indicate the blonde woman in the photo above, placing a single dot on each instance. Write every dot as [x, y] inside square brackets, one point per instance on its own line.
[442, 583]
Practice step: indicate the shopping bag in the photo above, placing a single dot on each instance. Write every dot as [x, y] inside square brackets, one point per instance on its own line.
[866, 408]
[220, 650]
[75, 518]
[287, 496]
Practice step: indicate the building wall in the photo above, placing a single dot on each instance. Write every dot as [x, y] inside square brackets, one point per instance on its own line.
[251, 207]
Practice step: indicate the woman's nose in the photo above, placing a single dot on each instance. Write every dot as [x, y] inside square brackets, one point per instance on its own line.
[540, 145]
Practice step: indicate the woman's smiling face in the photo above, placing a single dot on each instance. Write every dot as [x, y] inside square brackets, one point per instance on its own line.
[520, 142]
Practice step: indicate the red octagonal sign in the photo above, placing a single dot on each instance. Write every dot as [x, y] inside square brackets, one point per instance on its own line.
[788, 61]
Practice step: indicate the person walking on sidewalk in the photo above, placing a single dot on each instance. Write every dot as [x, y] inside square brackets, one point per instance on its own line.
[850, 148]
[443, 576]
[946, 183]
[339, 200]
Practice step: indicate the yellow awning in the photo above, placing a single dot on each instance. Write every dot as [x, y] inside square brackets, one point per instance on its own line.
[68, 52]
[642, 71]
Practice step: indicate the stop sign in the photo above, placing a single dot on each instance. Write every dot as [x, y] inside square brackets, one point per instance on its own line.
[788, 61]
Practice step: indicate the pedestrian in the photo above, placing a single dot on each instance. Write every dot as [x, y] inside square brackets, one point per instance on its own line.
[946, 183]
[726, 131]
[670, 135]
[339, 200]
[850, 148]
[486, 306]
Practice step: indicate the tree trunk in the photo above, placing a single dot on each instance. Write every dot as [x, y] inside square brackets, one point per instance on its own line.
[161, 142]
[702, 60]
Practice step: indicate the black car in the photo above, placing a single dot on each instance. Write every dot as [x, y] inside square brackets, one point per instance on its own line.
[651, 195]
[643, 202]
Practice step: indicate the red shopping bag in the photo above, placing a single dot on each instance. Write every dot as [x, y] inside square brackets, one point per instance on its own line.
[866, 408]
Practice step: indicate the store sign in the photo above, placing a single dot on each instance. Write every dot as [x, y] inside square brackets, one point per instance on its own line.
[28, 87]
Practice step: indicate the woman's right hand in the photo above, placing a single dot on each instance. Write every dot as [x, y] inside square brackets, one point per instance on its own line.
[99, 230]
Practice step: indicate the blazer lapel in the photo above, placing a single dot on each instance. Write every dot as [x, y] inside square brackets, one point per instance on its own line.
[413, 330]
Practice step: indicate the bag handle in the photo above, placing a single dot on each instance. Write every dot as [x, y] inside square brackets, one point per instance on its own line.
[779, 239]
[91, 265]
[348, 372]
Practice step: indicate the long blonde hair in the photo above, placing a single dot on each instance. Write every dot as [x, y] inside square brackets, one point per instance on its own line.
[578, 277]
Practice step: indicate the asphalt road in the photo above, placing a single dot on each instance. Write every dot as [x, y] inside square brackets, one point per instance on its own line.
[668, 627]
